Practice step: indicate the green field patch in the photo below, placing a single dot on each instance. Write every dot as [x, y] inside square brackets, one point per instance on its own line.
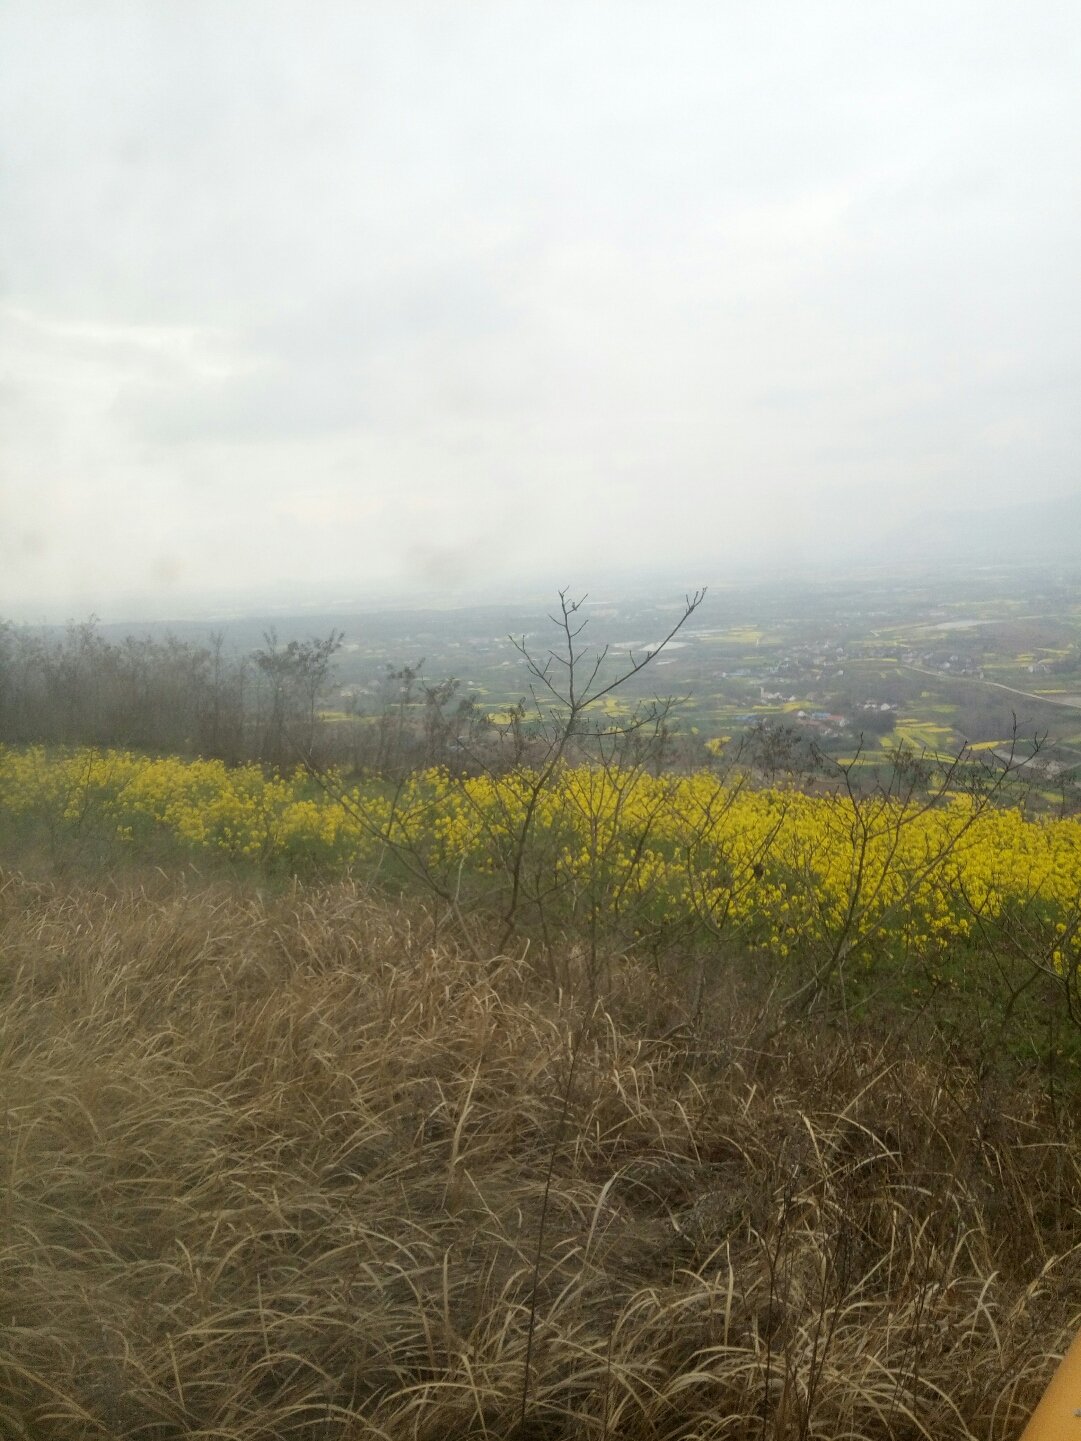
[743, 634]
[925, 735]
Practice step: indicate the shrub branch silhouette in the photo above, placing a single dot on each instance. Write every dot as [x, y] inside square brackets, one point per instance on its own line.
[567, 686]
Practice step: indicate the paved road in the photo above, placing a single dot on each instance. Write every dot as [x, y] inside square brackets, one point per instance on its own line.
[1071, 704]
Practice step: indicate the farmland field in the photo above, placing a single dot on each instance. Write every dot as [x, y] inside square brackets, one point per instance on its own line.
[934, 662]
[936, 659]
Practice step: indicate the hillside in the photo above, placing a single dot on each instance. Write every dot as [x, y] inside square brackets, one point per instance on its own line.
[295, 1164]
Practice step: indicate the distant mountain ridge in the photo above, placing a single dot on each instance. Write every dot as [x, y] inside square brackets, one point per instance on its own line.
[1029, 531]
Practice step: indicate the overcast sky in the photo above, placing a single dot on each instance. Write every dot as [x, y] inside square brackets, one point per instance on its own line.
[310, 296]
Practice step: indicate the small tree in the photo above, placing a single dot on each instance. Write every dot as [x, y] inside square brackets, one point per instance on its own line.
[295, 675]
[567, 684]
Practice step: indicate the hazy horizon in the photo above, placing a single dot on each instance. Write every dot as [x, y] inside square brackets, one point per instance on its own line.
[419, 299]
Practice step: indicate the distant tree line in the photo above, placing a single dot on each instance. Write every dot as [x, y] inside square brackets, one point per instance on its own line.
[277, 704]
[281, 704]
[76, 687]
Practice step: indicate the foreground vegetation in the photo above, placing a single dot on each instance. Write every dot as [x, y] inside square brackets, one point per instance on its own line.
[298, 1165]
[933, 893]
[551, 1094]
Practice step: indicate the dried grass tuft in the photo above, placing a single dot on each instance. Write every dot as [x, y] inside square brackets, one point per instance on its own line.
[275, 1167]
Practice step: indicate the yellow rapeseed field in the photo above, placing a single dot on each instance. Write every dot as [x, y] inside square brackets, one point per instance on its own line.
[780, 869]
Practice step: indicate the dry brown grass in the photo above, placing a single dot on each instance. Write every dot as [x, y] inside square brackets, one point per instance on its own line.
[276, 1167]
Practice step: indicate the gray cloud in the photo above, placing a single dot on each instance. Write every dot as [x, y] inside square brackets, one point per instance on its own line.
[312, 292]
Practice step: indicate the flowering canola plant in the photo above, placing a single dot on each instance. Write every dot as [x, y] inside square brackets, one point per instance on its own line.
[781, 870]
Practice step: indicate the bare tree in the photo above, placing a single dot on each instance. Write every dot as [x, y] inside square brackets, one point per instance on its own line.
[295, 674]
[566, 684]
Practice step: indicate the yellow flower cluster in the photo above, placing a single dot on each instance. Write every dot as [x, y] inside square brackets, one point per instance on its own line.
[781, 869]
